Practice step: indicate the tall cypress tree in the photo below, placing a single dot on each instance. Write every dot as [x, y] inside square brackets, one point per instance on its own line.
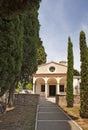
[31, 39]
[10, 52]
[84, 75]
[69, 92]
[17, 55]
[9, 7]
[41, 54]
[11, 41]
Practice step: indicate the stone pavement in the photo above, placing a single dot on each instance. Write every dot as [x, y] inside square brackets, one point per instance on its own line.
[51, 117]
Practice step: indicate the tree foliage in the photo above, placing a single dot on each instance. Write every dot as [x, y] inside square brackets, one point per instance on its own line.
[19, 36]
[31, 39]
[10, 51]
[9, 7]
[69, 95]
[41, 54]
[84, 75]
[76, 72]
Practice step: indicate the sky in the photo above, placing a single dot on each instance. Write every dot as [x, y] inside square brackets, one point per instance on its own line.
[60, 19]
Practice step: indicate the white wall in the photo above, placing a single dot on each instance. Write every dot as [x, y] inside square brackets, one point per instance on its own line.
[76, 86]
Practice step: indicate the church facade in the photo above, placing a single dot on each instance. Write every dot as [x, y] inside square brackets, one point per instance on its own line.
[51, 79]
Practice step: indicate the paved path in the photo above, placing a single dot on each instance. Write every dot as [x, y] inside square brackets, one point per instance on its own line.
[51, 117]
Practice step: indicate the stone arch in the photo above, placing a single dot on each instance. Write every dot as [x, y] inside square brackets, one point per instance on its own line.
[51, 86]
[40, 80]
[51, 81]
[40, 86]
[62, 85]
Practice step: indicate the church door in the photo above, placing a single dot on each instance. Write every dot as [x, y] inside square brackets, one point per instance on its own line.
[52, 90]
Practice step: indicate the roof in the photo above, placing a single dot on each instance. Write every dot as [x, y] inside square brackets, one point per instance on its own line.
[60, 63]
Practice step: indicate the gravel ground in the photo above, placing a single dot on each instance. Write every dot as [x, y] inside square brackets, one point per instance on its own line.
[20, 117]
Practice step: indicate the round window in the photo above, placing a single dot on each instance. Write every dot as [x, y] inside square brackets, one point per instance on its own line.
[52, 69]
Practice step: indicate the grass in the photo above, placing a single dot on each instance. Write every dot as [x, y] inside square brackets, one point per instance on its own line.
[74, 113]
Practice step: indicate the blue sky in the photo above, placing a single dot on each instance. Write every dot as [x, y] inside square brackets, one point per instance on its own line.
[60, 19]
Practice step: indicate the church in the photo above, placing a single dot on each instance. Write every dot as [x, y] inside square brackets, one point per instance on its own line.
[50, 79]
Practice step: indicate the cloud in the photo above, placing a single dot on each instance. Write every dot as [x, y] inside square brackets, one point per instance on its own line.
[60, 19]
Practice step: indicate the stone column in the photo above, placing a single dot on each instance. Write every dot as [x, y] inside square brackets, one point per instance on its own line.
[58, 91]
[34, 85]
[46, 87]
[46, 90]
[34, 91]
[58, 83]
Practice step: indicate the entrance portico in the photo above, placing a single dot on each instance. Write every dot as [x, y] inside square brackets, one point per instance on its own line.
[49, 82]
[49, 87]
[50, 79]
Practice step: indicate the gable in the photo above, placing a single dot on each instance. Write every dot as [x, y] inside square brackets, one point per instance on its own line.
[51, 68]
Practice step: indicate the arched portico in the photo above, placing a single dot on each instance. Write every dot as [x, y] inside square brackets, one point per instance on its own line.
[50, 79]
[39, 85]
[62, 85]
[49, 86]
[52, 86]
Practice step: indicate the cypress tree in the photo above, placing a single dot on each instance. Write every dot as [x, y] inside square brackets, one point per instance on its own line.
[76, 72]
[84, 75]
[10, 7]
[41, 54]
[31, 39]
[17, 54]
[19, 34]
[3, 55]
[10, 52]
[69, 92]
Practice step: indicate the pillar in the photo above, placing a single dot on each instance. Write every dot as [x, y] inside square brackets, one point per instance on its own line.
[58, 90]
[34, 85]
[58, 83]
[46, 87]
[46, 90]
[34, 90]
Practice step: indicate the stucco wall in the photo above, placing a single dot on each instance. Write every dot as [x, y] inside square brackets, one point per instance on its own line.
[44, 76]
[45, 68]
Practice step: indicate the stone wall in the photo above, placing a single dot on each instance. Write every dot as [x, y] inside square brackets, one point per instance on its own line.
[26, 99]
[61, 100]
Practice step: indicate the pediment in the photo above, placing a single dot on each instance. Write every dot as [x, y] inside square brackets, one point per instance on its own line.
[51, 68]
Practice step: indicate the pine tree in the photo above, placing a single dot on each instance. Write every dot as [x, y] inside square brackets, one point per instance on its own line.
[84, 75]
[69, 92]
